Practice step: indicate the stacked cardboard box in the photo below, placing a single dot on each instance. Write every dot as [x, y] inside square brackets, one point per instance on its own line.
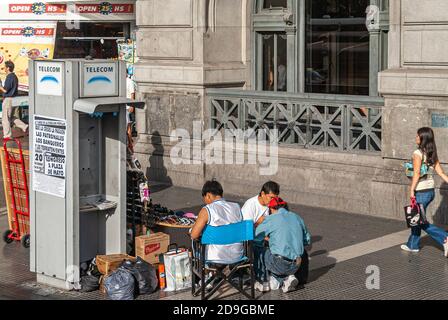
[150, 247]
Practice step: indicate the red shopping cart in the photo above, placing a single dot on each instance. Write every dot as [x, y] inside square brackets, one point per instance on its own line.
[19, 194]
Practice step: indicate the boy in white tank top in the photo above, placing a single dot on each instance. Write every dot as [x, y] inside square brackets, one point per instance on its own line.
[218, 212]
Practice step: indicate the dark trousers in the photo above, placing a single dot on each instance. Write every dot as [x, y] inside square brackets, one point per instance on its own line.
[266, 263]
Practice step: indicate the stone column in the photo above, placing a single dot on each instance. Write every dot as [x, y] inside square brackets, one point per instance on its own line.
[415, 86]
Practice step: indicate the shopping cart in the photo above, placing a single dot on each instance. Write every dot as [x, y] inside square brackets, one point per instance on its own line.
[18, 191]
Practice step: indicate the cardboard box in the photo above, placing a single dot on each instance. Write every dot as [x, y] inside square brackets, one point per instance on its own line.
[108, 264]
[150, 247]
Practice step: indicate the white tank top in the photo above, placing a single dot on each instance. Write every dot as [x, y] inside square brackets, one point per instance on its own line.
[427, 182]
[221, 213]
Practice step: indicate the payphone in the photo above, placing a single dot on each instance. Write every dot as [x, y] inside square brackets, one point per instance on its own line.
[78, 170]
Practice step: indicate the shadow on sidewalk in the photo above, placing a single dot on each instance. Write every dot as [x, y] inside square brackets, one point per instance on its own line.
[323, 263]
[315, 239]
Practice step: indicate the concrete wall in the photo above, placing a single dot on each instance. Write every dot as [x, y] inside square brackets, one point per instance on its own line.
[185, 46]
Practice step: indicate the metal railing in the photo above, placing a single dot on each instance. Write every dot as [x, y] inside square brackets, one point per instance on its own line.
[344, 123]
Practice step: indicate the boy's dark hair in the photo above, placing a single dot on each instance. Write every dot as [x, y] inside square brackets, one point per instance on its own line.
[271, 187]
[213, 187]
[10, 66]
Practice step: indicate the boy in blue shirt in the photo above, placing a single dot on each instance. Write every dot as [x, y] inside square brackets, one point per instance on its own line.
[287, 236]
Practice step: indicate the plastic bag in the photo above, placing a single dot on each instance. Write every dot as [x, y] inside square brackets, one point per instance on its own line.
[177, 270]
[145, 275]
[120, 285]
[93, 269]
[90, 276]
[90, 283]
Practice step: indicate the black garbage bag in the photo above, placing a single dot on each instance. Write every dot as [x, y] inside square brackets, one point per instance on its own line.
[145, 275]
[89, 283]
[93, 269]
[90, 276]
[120, 285]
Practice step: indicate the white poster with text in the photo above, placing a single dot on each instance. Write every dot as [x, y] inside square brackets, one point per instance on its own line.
[49, 155]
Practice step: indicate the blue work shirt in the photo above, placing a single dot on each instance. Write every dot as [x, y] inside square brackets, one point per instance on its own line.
[287, 233]
[11, 86]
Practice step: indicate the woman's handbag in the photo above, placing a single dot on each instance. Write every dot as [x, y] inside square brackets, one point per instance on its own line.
[415, 214]
[409, 169]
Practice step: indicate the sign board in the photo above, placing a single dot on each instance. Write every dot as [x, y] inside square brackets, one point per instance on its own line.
[49, 78]
[20, 42]
[123, 10]
[49, 155]
[99, 79]
[126, 51]
[439, 120]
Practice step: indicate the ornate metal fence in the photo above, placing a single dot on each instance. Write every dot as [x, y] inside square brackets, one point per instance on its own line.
[345, 123]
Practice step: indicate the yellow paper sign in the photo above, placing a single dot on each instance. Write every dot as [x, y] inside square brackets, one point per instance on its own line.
[20, 42]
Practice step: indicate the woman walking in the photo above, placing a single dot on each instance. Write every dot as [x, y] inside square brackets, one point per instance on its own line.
[422, 188]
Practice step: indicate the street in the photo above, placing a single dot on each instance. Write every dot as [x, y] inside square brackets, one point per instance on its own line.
[345, 247]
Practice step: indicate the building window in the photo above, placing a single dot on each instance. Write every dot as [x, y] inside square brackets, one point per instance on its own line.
[337, 47]
[95, 39]
[320, 46]
[274, 62]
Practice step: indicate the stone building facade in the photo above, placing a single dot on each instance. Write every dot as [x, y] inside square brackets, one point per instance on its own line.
[347, 83]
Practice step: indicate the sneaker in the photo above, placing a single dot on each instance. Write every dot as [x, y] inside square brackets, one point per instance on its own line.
[445, 247]
[261, 287]
[290, 284]
[211, 284]
[273, 283]
[406, 248]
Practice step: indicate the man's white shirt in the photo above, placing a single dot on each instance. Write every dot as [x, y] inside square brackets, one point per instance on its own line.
[253, 210]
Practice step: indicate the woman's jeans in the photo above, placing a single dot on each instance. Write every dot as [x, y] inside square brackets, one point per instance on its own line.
[438, 234]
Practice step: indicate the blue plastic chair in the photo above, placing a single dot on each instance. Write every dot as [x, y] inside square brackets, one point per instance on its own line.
[241, 232]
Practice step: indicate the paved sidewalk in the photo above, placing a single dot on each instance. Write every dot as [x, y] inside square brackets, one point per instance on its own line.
[344, 245]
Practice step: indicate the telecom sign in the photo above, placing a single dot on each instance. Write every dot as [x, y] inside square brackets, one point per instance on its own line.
[49, 78]
[99, 79]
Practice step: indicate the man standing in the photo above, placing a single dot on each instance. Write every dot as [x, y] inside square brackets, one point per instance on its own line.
[10, 90]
